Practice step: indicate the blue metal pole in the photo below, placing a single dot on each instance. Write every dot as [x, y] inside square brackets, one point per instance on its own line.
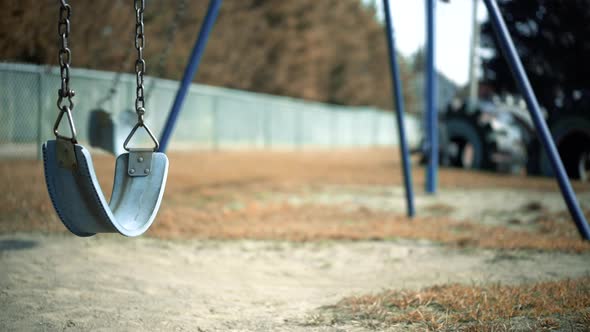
[399, 107]
[190, 71]
[533, 106]
[431, 94]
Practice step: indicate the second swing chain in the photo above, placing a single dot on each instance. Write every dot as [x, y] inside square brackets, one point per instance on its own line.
[140, 68]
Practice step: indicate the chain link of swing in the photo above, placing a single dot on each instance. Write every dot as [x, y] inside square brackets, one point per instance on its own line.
[140, 66]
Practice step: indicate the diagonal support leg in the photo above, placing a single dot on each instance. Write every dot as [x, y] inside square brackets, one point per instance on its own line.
[190, 71]
[399, 110]
[430, 91]
[533, 106]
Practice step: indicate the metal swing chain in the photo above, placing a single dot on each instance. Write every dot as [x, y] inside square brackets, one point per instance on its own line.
[140, 62]
[65, 57]
[140, 68]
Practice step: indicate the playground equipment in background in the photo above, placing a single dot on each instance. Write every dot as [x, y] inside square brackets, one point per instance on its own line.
[197, 53]
[544, 137]
[534, 109]
[190, 71]
[431, 132]
[399, 106]
[107, 131]
[140, 174]
[493, 136]
[104, 131]
[431, 118]
[500, 136]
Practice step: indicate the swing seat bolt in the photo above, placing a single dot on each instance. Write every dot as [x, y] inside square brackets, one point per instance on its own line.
[140, 159]
[132, 170]
[147, 171]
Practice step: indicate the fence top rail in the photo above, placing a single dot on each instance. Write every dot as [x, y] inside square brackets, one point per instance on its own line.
[196, 88]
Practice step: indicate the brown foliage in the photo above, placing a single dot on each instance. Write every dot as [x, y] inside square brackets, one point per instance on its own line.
[330, 50]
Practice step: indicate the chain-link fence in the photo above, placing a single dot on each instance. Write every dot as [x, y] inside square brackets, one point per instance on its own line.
[211, 117]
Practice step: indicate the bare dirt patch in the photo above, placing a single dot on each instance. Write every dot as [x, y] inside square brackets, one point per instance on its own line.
[59, 282]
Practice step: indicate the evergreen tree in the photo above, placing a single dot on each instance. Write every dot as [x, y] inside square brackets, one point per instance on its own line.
[551, 37]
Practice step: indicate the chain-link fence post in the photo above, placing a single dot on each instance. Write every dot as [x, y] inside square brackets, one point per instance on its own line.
[216, 125]
[267, 126]
[299, 129]
[375, 116]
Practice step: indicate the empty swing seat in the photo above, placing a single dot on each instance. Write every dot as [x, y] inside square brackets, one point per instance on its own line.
[79, 201]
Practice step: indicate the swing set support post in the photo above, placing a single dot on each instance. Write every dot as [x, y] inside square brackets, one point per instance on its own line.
[430, 91]
[543, 132]
[399, 109]
[190, 71]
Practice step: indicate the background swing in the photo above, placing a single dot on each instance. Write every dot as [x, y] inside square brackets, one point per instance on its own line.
[108, 129]
[140, 174]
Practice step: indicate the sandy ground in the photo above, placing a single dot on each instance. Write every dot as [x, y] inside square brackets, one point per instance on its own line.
[52, 281]
[57, 282]
[492, 206]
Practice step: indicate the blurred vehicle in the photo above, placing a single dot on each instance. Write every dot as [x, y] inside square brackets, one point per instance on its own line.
[493, 136]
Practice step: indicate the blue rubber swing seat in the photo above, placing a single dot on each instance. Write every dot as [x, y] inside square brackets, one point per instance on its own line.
[81, 205]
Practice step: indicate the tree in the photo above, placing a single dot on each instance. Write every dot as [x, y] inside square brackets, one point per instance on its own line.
[551, 37]
[331, 50]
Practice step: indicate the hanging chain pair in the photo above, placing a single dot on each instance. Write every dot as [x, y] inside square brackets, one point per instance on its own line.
[140, 68]
[65, 57]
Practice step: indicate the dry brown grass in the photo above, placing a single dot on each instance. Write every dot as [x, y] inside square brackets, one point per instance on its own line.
[223, 195]
[541, 306]
[313, 222]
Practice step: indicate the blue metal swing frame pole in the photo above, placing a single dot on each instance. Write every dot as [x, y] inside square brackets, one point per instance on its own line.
[399, 109]
[431, 116]
[526, 90]
[190, 71]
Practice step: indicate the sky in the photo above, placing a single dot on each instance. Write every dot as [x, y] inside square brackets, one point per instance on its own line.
[453, 32]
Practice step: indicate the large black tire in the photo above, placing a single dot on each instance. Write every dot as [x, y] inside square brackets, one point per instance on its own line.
[469, 147]
[571, 134]
[443, 142]
[533, 163]
[486, 140]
